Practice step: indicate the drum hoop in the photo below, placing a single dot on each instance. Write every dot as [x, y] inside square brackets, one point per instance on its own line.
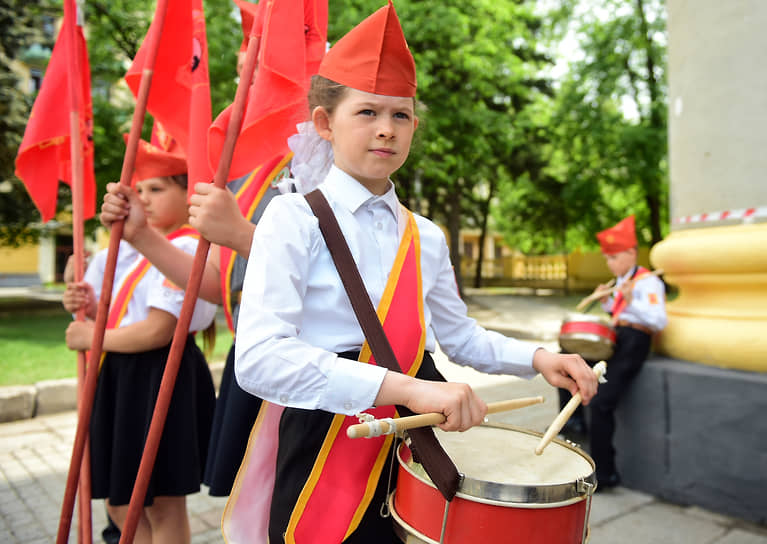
[404, 530]
[534, 496]
[602, 330]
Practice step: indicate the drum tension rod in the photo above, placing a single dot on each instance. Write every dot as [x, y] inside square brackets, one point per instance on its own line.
[461, 477]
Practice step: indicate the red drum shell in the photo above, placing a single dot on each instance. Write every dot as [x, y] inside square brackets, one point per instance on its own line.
[591, 338]
[418, 509]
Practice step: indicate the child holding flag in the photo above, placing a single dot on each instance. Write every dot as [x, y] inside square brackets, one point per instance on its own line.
[140, 326]
[227, 218]
[299, 344]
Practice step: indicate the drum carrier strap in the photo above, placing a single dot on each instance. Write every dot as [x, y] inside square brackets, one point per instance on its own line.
[435, 461]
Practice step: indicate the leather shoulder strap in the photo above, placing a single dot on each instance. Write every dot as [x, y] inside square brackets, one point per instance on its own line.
[435, 461]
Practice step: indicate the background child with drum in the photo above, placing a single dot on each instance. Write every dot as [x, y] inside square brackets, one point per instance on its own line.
[298, 338]
[140, 326]
[638, 310]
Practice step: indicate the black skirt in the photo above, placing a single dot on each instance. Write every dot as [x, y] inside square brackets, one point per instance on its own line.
[236, 411]
[128, 386]
[302, 433]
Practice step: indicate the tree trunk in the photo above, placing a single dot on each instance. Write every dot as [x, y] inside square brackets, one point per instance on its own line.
[485, 210]
[454, 233]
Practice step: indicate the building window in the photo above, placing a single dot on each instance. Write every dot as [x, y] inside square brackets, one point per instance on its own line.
[35, 79]
[468, 249]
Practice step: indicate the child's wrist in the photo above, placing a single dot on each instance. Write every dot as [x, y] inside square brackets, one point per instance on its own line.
[142, 237]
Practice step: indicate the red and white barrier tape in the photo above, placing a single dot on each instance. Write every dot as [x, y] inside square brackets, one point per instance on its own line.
[745, 214]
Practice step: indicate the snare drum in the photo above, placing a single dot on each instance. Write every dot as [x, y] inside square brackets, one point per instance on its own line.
[589, 336]
[507, 495]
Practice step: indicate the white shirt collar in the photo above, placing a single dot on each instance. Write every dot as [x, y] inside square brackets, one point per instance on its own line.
[352, 195]
[627, 275]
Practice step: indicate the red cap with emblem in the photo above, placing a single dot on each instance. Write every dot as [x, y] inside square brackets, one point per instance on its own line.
[373, 57]
[618, 238]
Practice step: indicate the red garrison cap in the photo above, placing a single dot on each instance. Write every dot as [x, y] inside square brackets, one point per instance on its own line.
[619, 237]
[373, 57]
[153, 162]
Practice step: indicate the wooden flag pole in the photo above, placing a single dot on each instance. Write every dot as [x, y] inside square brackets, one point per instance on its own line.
[97, 344]
[78, 241]
[190, 299]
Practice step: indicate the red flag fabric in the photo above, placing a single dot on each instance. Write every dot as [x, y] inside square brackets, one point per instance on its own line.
[44, 156]
[292, 45]
[179, 97]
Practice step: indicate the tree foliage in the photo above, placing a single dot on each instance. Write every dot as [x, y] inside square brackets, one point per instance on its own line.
[21, 23]
[500, 145]
[479, 77]
[114, 32]
[608, 156]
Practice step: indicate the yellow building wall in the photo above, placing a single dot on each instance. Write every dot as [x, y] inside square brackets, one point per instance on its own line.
[19, 260]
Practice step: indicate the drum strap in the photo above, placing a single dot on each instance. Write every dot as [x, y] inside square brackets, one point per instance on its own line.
[619, 304]
[435, 461]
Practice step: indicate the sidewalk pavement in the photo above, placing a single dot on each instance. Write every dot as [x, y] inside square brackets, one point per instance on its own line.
[35, 454]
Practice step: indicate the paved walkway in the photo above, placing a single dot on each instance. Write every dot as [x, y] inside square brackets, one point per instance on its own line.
[35, 453]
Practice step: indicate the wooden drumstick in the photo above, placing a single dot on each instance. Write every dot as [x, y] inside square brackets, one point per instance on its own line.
[435, 418]
[606, 292]
[599, 369]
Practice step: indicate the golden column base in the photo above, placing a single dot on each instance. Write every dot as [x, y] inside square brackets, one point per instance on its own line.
[720, 315]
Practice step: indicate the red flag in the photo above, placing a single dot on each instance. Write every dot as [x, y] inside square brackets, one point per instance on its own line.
[292, 45]
[44, 154]
[179, 98]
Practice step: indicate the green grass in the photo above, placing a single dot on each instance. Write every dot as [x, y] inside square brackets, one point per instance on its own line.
[33, 348]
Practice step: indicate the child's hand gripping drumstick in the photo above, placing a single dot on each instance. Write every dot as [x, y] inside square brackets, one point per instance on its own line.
[599, 369]
[378, 427]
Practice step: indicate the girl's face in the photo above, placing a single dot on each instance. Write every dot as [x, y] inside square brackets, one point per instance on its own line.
[370, 134]
[164, 203]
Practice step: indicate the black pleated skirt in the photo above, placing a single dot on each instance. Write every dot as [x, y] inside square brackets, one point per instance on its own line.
[236, 412]
[302, 433]
[128, 386]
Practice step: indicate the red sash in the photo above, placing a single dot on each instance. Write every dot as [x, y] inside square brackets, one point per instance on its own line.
[619, 304]
[346, 472]
[248, 197]
[125, 292]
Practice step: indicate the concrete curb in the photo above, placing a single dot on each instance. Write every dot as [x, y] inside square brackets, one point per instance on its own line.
[53, 396]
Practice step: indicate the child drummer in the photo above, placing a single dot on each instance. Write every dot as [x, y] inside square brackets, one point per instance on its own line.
[299, 343]
[637, 310]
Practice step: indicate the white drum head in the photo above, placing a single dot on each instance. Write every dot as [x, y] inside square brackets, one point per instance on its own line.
[507, 456]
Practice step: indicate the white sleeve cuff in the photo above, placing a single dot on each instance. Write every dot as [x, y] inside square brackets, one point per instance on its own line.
[352, 387]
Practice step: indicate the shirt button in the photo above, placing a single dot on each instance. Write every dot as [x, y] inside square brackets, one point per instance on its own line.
[348, 405]
[379, 225]
[284, 399]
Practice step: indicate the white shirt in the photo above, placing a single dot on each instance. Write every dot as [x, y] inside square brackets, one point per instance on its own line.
[152, 291]
[295, 314]
[648, 302]
[94, 274]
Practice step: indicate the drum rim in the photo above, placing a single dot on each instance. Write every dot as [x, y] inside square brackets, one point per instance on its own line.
[545, 495]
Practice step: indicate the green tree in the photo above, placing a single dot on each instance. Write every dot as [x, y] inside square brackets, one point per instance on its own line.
[21, 24]
[608, 123]
[478, 75]
[114, 32]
